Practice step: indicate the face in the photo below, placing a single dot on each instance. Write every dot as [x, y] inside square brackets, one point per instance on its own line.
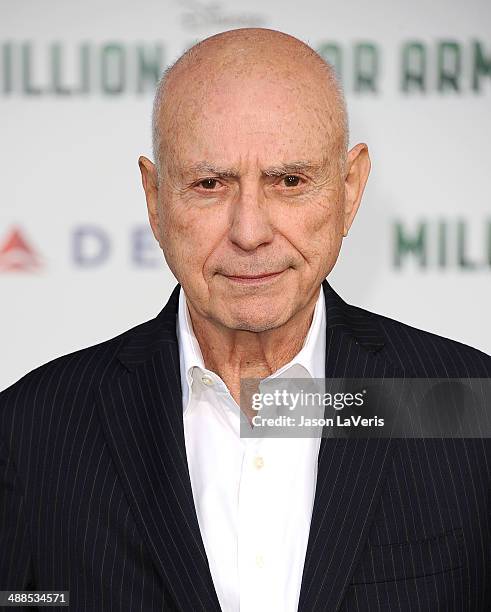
[251, 204]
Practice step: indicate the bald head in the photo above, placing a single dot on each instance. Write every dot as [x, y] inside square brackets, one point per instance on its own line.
[243, 58]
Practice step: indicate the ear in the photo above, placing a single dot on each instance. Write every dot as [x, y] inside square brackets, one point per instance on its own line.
[357, 171]
[150, 186]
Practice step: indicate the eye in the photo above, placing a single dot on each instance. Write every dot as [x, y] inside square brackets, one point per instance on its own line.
[291, 180]
[208, 183]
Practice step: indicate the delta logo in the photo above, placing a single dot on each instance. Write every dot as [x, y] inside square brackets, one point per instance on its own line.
[90, 246]
[17, 255]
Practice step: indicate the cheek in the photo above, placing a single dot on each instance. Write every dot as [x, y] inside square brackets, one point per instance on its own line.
[315, 231]
[190, 236]
[177, 232]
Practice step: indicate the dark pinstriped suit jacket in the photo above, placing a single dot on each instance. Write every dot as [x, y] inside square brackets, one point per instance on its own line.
[95, 496]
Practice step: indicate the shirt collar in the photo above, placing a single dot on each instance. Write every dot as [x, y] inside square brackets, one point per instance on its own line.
[311, 356]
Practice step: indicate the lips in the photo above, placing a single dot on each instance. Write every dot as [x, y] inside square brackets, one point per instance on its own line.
[254, 279]
[254, 276]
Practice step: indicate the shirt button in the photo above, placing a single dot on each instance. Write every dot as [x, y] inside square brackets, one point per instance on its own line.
[259, 561]
[258, 463]
[207, 380]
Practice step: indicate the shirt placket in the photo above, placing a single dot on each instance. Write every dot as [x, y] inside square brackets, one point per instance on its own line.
[254, 554]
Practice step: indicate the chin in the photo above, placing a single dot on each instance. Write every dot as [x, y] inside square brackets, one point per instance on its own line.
[254, 326]
[257, 319]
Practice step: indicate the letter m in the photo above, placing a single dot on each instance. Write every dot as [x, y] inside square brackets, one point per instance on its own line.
[406, 243]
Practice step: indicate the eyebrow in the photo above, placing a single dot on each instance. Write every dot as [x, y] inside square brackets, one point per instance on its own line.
[280, 170]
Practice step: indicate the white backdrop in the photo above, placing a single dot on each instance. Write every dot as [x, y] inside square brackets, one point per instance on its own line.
[77, 262]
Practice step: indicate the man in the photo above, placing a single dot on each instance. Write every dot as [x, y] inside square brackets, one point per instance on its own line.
[124, 476]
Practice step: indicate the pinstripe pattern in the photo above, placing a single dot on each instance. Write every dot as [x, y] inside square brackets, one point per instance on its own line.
[95, 495]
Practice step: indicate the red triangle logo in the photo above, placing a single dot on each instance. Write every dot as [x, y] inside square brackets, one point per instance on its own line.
[16, 255]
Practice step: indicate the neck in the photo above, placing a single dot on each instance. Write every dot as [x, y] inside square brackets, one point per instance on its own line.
[236, 354]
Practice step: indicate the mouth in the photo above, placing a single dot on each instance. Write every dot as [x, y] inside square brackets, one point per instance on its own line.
[254, 279]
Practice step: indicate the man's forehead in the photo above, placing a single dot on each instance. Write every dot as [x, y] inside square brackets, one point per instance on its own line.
[233, 134]
[273, 143]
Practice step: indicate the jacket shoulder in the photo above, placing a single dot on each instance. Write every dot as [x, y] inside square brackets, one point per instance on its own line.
[425, 354]
[70, 377]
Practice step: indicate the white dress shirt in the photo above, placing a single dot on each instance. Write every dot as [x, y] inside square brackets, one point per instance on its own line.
[253, 496]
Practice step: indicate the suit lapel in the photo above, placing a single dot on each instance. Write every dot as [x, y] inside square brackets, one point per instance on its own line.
[141, 413]
[351, 472]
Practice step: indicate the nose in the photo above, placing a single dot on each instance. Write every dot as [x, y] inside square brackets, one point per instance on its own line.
[250, 224]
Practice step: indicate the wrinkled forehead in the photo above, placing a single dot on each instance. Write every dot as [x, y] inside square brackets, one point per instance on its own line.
[233, 115]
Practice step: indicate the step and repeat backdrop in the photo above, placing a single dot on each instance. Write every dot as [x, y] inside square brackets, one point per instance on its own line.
[78, 261]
